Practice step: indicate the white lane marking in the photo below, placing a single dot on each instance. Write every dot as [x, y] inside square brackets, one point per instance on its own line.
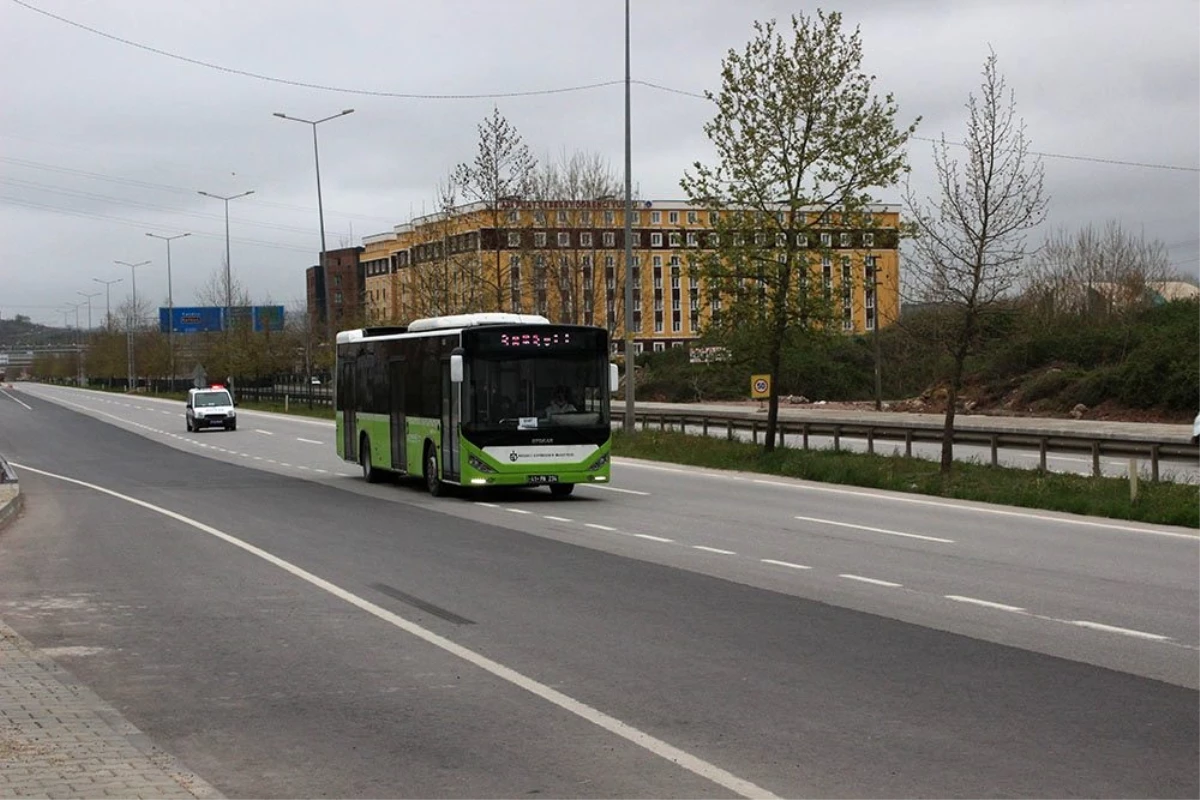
[307, 441]
[284, 464]
[322, 471]
[653, 538]
[876, 530]
[558, 519]
[1099, 626]
[717, 550]
[168, 413]
[264, 433]
[897, 498]
[15, 400]
[658, 747]
[272, 461]
[958, 598]
[258, 458]
[615, 489]
[487, 505]
[518, 511]
[598, 527]
[874, 581]
[784, 564]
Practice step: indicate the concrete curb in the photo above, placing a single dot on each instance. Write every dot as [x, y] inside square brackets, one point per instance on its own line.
[10, 506]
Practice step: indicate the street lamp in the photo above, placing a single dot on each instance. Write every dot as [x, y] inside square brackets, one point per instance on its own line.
[321, 212]
[228, 272]
[129, 354]
[630, 361]
[170, 301]
[89, 296]
[107, 299]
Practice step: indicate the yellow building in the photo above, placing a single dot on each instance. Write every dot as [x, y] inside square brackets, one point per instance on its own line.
[565, 260]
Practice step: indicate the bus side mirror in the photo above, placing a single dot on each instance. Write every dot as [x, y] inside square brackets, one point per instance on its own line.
[456, 368]
[614, 378]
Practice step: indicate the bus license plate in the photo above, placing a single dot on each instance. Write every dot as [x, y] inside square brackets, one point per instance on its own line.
[542, 479]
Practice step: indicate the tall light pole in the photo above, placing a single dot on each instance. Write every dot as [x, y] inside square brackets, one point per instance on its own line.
[130, 356]
[170, 301]
[228, 270]
[107, 299]
[321, 213]
[89, 296]
[629, 359]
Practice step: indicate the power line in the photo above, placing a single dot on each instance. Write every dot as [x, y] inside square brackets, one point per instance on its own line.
[304, 85]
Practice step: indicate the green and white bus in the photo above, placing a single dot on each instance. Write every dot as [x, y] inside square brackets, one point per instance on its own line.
[478, 400]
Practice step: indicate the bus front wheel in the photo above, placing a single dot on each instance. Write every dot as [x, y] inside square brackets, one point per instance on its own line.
[561, 489]
[432, 482]
[370, 474]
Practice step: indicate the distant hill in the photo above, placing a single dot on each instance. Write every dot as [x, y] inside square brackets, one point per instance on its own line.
[21, 331]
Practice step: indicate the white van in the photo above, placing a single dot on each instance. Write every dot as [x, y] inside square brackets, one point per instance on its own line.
[211, 407]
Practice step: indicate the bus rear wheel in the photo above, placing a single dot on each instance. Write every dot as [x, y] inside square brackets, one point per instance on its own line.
[561, 489]
[370, 474]
[432, 482]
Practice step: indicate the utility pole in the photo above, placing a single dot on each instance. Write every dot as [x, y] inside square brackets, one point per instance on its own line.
[321, 214]
[130, 355]
[170, 303]
[107, 299]
[89, 296]
[228, 269]
[630, 361]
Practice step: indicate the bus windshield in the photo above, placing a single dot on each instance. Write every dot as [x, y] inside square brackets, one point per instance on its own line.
[537, 392]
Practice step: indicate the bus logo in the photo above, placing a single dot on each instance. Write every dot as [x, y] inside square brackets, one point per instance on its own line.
[513, 456]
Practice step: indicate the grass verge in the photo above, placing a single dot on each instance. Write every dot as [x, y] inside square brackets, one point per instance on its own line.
[1163, 503]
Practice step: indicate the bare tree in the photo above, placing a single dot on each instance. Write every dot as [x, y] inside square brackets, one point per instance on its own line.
[213, 292]
[970, 246]
[1095, 274]
[798, 130]
[503, 168]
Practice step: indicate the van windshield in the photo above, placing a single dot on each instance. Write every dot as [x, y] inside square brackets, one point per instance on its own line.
[209, 399]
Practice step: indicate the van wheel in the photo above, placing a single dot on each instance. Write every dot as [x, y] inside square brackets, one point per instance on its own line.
[561, 489]
[432, 482]
[370, 474]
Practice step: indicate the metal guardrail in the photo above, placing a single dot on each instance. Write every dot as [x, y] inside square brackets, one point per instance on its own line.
[7, 475]
[1044, 442]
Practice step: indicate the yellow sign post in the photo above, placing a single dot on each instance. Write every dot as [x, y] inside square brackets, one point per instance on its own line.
[760, 387]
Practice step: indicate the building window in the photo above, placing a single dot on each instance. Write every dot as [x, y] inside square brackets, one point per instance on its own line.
[610, 239]
[539, 239]
[714, 240]
[801, 240]
[337, 297]
[659, 347]
[564, 239]
[673, 218]
[655, 217]
[656, 238]
[539, 218]
[692, 239]
[637, 218]
[585, 239]
[585, 217]
[512, 216]
[868, 240]
[845, 240]
[675, 239]
[562, 217]
[610, 218]
[781, 240]
[691, 217]
[337, 280]
[637, 238]
[826, 240]
[514, 238]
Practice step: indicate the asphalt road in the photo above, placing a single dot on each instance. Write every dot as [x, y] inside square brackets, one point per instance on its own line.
[272, 682]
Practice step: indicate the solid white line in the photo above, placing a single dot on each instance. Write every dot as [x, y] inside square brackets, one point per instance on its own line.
[558, 519]
[487, 505]
[875, 581]
[518, 511]
[615, 489]
[784, 564]
[609, 723]
[308, 441]
[717, 550]
[958, 598]
[653, 538]
[15, 400]
[876, 530]
[264, 433]
[1099, 626]
[598, 527]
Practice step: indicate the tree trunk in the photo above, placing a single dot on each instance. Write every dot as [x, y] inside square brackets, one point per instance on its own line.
[960, 357]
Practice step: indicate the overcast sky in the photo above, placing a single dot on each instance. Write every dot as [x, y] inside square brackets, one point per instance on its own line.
[101, 142]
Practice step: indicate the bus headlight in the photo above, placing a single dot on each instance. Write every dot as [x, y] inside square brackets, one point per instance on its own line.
[478, 464]
[598, 463]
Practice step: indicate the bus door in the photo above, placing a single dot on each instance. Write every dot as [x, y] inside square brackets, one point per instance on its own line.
[451, 417]
[399, 424]
[346, 386]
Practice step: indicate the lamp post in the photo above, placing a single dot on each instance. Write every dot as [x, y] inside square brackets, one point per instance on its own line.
[107, 299]
[170, 302]
[89, 296]
[228, 269]
[130, 356]
[629, 359]
[321, 211]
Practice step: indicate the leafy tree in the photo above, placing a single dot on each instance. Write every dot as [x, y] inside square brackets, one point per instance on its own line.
[970, 244]
[798, 134]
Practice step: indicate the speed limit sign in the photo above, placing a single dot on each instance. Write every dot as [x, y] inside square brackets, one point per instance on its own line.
[760, 387]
